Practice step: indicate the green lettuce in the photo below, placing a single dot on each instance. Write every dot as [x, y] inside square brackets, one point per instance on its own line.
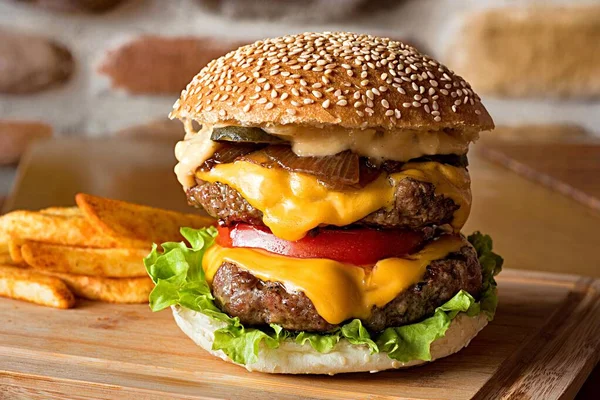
[179, 280]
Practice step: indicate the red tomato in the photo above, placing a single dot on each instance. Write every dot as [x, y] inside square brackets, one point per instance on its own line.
[358, 246]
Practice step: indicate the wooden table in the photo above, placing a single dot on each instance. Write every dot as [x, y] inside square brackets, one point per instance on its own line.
[533, 227]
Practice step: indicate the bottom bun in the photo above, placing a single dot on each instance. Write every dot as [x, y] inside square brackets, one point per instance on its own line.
[293, 358]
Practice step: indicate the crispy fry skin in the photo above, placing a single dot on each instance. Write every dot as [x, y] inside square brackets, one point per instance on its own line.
[70, 230]
[62, 211]
[6, 259]
[14, 249]
[115, 263]
[126, 220]
[24, 284]
[124, 290]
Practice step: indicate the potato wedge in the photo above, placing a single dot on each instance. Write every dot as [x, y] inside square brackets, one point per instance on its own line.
[25, 284]
[112, 290]
[58, 229]
[6, 259]
[14, 249]
[62, 211]
[4, 247]
[115, 263]
[120, 219]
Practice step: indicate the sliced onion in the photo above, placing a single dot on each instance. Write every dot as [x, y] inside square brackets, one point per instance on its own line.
[341, 169]
[228, 153]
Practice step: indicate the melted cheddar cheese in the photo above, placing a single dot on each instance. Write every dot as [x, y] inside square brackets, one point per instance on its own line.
[294, 203]
[338, 291]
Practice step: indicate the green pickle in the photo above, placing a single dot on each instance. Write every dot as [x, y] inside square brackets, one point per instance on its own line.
[243, 134]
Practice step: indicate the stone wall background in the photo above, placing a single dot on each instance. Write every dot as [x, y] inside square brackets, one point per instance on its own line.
[87, 104]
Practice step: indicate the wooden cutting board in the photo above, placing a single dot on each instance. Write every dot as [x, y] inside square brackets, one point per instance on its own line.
[544, 342]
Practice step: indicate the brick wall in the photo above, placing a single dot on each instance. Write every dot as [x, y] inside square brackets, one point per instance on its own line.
[93, 67]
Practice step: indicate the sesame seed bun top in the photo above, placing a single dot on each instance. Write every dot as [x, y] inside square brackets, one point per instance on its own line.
[344, 79]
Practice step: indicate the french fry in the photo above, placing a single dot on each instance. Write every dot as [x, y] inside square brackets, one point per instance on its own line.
[116, 263]
[62, 211]
[124, 290]
[6, 259]
[14, 250]
[120, 219]
[24, 284]
[67, 230]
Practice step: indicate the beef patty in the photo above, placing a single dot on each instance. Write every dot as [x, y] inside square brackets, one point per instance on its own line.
[415, 206]
[240, 294]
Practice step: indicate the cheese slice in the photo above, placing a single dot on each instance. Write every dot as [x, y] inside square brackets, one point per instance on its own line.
[294, 203]
[338, 291]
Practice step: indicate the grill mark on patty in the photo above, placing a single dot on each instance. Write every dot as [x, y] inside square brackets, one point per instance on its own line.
[256, 302]
[415, 206]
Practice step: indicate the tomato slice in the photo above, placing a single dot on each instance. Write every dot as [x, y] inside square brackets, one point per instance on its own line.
[358, 246]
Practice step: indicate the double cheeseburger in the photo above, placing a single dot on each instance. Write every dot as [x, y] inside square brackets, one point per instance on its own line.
[335, 164]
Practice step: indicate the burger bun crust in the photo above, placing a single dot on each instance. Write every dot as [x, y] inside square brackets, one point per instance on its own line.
[339, 79]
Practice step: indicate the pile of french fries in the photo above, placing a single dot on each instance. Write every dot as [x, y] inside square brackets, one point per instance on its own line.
[93, 251]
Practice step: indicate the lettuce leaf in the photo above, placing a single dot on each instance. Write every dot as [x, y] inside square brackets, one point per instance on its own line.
[179, 278]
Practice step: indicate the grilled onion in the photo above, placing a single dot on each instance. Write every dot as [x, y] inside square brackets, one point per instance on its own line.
[228, 153]
[342, 169]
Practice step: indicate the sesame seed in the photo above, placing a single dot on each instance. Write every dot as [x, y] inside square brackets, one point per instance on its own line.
[364, 82]
[342, 103]
[406, 105]
[416, 104]
[477, 112]
[283, 96]
[358, 104]
[295, 92]
[326, 103]
[349, 72]
[385, 103]
[389, 113]
[437, 118]
[273, 93]
[317, 94]
[246, 108]
[262, 100]
[308, 101]
[397, 113]
[269, 105]
[291, 111]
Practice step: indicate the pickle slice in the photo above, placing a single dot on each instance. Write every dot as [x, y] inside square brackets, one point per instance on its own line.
[243, 134]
